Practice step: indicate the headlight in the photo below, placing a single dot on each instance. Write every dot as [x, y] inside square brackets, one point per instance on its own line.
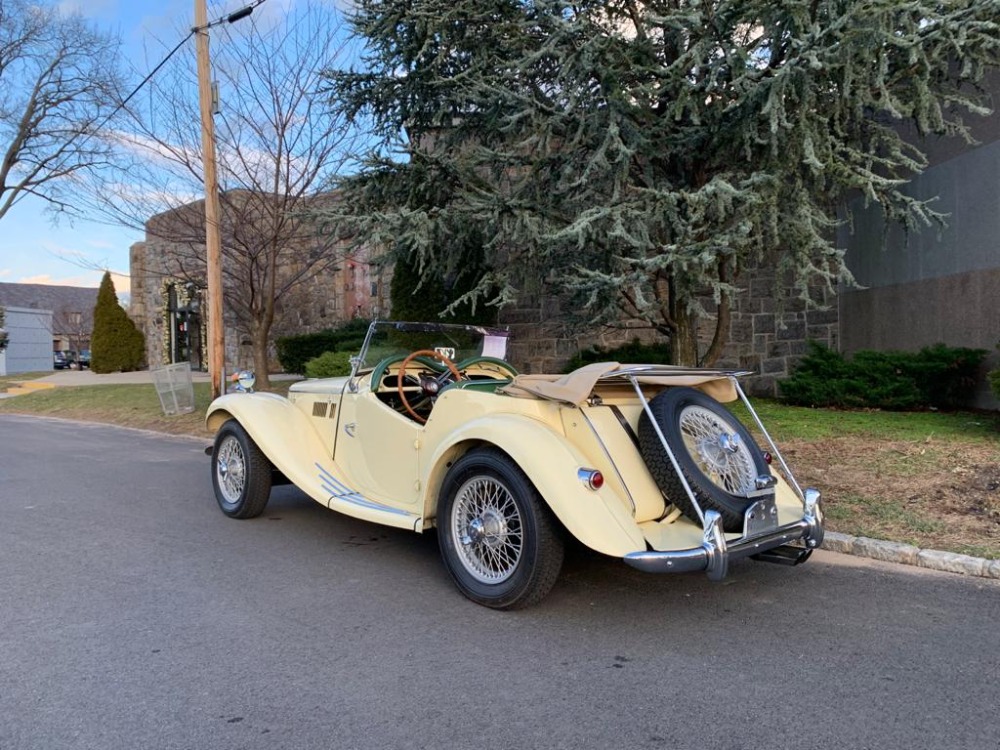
[246, 380]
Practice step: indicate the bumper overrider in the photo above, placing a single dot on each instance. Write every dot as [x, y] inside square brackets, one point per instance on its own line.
[762, 539]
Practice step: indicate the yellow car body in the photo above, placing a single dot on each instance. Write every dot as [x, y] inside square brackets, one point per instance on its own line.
[347, 444]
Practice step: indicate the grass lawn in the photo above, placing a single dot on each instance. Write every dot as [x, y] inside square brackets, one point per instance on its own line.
[931, 479]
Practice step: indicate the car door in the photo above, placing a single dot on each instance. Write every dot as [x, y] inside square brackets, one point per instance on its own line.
[378, 449]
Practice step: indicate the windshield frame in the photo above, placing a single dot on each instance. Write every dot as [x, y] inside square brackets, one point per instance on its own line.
[358, 365]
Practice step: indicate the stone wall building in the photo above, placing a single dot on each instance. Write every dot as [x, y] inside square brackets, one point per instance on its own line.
[939, 284]
[319, 284]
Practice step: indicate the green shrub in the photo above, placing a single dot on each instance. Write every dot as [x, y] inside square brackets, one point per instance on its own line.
[329, 365]
[634, 351]
[295, 351]
[936, 376]
[994, 378]
[116, 345]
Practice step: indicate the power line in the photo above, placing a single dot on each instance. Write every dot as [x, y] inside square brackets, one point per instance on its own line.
[230, 18]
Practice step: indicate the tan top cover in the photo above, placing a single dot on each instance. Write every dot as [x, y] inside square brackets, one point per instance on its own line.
[575, 388]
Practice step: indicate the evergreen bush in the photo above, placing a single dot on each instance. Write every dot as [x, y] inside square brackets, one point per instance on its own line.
[295, 351]
[937, 376]
[634, 351]
[994, 377]
[329, 365]
[116, 345]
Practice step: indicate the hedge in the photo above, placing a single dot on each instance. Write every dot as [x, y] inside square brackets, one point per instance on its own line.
[937, 376]
[295, 351]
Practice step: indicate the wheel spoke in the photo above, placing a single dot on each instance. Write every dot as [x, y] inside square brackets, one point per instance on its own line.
[231, 469]
[487, 524]
[715, 447]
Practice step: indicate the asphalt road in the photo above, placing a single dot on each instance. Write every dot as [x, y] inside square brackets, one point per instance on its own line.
[134, 615]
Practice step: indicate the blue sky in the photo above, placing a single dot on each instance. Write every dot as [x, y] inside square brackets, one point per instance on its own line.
[35, 250]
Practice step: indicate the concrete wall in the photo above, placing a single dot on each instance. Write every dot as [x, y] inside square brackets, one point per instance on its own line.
[939, 285]
[30, 347]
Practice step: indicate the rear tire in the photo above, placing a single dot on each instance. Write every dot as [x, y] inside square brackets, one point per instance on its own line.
[241, 473]
[718, 456]
[498, 538]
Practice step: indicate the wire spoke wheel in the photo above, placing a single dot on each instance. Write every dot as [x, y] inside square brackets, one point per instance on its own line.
[719, 461]
[718, 450]
[499, 541]
[241, 473]
[231, 469]
[487, 524]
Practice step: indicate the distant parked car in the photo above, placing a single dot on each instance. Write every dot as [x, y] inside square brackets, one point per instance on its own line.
[84, 360]
[68, 359]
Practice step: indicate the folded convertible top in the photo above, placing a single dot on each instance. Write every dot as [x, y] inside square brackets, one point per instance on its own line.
[575, 388]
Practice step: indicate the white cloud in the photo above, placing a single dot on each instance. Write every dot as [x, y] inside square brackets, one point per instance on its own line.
[49, 280]
[4, 272]
[122, 281]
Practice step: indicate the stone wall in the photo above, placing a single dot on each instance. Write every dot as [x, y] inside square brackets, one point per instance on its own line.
[768, 333]
[351, 287]
[770, 330]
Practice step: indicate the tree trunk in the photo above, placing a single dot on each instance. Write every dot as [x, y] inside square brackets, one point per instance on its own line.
[261, 367]
[684, 342]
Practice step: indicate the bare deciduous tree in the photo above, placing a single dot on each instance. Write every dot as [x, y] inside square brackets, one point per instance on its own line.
[59, 82]
[279, 152]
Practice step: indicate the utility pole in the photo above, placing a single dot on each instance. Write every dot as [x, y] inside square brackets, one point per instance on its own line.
[213, 238]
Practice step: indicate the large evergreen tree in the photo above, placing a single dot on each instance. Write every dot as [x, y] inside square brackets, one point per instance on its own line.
[116, 345]
[640, 153]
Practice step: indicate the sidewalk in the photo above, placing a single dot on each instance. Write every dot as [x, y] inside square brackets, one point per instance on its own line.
[86, 377]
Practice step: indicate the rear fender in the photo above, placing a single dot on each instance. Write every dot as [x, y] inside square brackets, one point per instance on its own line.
[599, 519]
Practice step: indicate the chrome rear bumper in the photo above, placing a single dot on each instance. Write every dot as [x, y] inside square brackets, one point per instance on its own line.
[715, 553]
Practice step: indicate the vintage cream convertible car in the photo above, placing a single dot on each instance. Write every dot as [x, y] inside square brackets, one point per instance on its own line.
[433, 429]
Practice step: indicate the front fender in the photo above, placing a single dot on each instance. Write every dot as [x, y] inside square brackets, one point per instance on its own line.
[599, 519]
[278, 428]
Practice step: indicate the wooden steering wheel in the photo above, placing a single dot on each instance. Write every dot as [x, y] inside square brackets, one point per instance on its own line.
[430, 386]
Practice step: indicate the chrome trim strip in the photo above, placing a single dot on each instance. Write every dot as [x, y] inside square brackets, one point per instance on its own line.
[339, 491]
[611, 461]
[630, 371]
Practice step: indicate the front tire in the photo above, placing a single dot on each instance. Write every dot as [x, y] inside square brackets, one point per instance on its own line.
[498, 538]
[241, 473]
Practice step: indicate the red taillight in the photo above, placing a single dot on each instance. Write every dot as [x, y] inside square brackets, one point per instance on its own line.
[768, 458]
[591, 477]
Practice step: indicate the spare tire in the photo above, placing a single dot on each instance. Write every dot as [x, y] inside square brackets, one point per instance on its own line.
[719, 458]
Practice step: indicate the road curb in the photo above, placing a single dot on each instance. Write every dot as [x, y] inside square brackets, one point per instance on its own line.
[907, 554]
